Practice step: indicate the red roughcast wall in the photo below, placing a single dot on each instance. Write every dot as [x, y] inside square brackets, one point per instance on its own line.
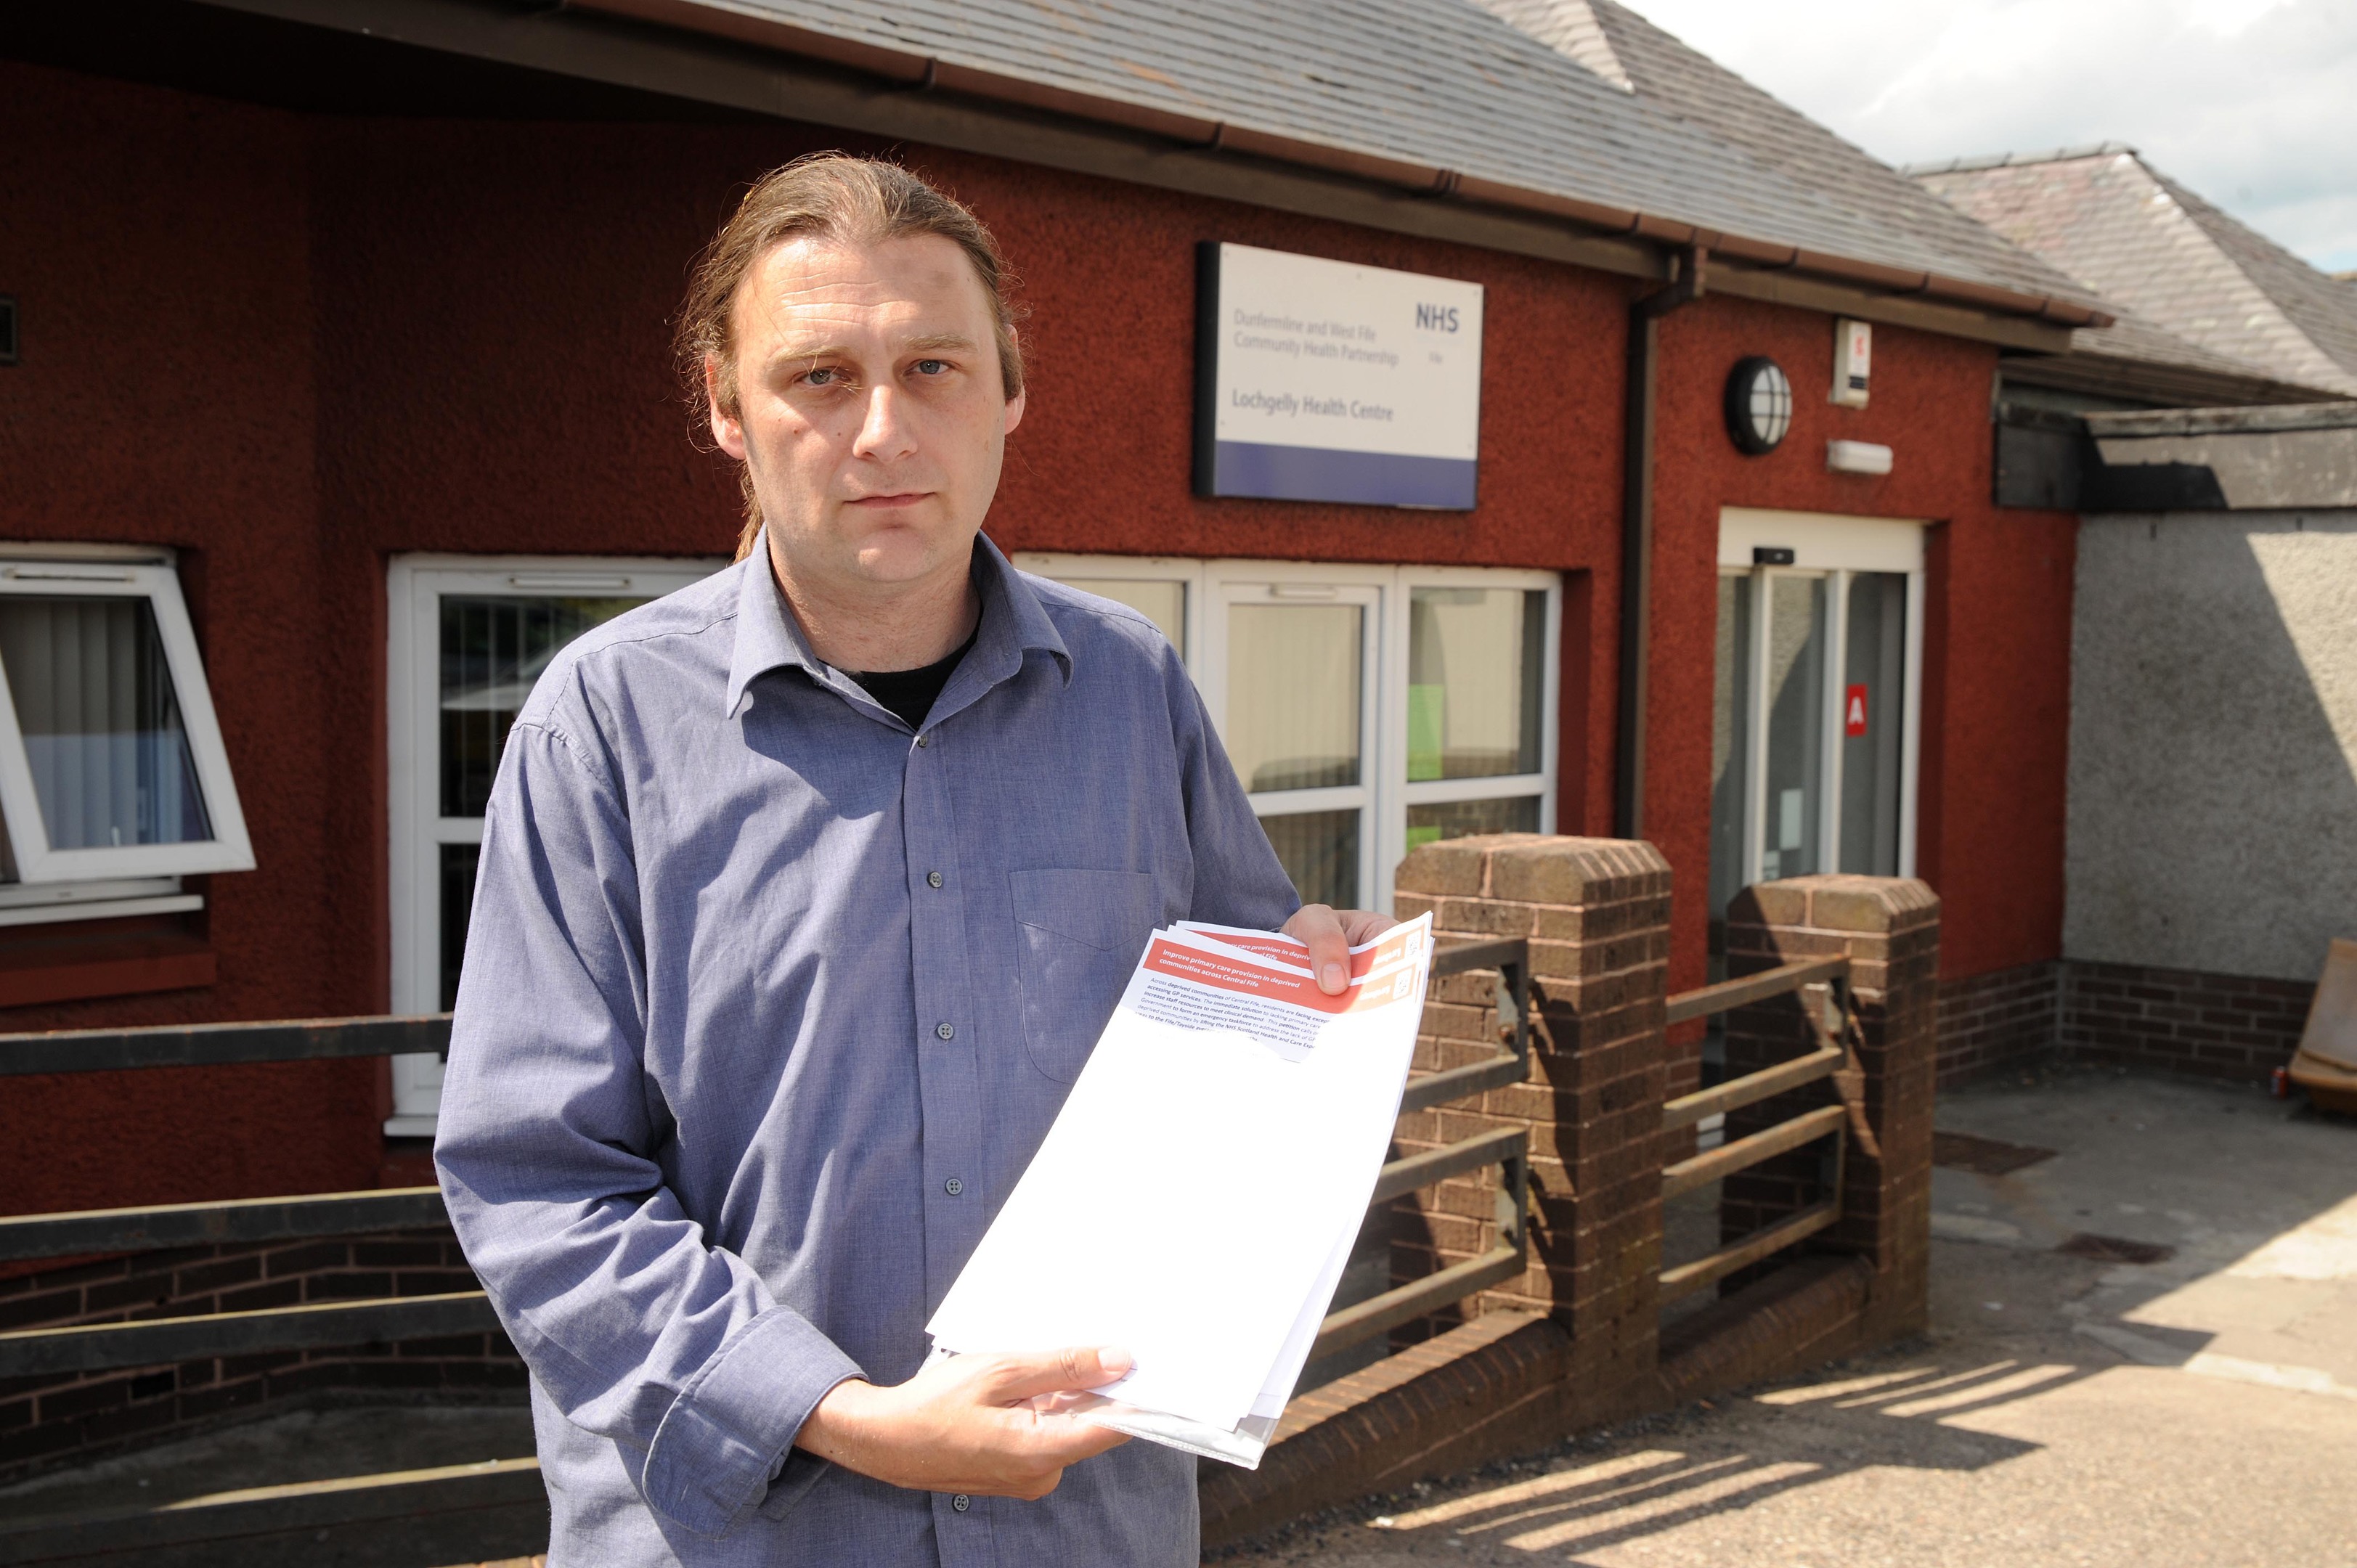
[291, 347]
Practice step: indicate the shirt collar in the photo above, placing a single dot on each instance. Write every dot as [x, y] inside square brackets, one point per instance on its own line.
[770, 635]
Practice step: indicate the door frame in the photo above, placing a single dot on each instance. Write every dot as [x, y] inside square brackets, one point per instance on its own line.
[1827, 546]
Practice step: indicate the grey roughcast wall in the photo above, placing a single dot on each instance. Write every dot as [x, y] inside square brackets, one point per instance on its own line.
[2212, 815]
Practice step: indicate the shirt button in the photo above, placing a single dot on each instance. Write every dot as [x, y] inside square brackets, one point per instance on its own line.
[924, 740]
[953, 1187]
[946, 1031]
[961, 1502]
[932, 879]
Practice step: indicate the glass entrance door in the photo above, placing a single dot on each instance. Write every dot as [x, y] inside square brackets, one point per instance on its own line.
[1812, 732]
[1870, 759]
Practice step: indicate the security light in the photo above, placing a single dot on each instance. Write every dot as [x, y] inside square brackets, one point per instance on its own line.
[1759, 404]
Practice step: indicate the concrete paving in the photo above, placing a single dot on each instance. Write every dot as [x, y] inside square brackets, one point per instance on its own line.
[2064, 1409]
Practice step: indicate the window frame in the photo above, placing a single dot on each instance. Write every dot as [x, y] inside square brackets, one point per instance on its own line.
[1211, 585]
[1833, 549]
[1229, 584]
[1490, 787]
[97, 573]
[415, 584]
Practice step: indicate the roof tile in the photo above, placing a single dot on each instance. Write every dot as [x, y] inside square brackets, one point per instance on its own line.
[1537, 96]
[2199, 288]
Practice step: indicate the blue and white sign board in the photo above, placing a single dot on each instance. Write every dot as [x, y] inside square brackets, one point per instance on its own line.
[1320, 381]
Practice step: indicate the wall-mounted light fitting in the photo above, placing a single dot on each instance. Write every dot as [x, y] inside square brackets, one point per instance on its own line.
[1759, 404]
[1858, 458]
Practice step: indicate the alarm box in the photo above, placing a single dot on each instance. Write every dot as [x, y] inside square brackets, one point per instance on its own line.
[1853, 362]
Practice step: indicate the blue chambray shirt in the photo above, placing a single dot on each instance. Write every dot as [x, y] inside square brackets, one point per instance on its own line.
[767, 1001]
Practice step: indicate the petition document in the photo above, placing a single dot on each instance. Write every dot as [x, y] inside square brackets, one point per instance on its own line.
[1197, 1196]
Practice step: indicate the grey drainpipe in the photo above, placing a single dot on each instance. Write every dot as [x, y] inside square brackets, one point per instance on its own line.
[1637, 537]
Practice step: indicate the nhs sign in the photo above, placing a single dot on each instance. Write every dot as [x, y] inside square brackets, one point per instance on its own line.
[1328, 381]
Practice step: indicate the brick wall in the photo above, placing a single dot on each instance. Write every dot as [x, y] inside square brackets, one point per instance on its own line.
[1596, 912]
[1576, 1341]
[2237, 1027]
[43, 1421]
[1991, 1022]
[1889, 931]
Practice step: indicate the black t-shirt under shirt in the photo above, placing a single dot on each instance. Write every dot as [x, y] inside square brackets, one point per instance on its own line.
[910, 694]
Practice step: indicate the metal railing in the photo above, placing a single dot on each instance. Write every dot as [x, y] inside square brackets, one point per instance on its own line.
[451, 1511]
[45, 1352]
[104, 1346]
[59, 1351]
[1507, 1148]
[1832, 1059]
[406, 1496]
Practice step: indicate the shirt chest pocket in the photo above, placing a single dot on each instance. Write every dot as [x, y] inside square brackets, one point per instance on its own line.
[1078, 935]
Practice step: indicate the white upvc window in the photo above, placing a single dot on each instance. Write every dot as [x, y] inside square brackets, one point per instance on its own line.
[1367, 709]
[114, 781]
[1815, 719]
[468, 635]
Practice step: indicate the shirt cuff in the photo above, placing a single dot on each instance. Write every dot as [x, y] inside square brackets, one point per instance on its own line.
[723, 1439]
[793, 1483]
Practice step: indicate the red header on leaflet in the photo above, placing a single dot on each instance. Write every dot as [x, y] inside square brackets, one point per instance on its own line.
[1287, 985]
[1388, 949]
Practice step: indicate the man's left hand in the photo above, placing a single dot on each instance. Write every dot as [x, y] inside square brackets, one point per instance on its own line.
[1331, 934]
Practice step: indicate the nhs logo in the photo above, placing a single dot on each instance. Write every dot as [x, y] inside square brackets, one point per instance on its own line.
[1436, 318]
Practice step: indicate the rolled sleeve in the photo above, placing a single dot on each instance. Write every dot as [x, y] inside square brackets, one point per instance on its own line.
[636, 1326]
[720, 1451]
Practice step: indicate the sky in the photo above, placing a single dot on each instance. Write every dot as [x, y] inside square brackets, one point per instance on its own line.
[2251, 103]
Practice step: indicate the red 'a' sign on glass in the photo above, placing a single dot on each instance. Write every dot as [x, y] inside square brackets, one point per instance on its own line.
[1853, 712]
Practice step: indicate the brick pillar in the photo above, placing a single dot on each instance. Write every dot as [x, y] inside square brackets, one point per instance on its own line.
[1598, 913]
[1889, 928]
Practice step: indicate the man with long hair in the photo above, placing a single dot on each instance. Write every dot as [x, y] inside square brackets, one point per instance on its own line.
[804, 894]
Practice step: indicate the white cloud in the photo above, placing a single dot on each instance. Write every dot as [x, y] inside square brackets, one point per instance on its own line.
[2247, 102]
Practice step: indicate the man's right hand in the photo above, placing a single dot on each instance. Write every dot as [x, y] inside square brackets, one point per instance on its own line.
[979, 1425]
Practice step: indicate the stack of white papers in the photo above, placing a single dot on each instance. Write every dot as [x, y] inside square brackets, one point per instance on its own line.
[1196, 1200]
